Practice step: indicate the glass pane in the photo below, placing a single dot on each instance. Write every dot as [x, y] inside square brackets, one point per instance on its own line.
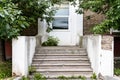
[60, 23]
[63, 12]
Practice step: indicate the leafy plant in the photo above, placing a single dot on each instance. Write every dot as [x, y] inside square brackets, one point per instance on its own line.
[12, 21]
[5, 69]
[51, 41]
[38, 76]
[49, 29]
[31, 70]
[25, 78]
[93, 77]
[33, 10]
[72, 78]
[63, 78]
[117, 71]
[109, 8]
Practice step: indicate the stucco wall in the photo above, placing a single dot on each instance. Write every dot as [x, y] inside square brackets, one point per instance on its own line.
[23, 50]
[102, 59]
[90, 23]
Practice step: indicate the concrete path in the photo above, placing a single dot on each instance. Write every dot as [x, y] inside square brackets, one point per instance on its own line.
[111, 78]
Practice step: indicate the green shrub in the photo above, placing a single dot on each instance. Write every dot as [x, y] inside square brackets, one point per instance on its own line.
[117, 71]
[5, 69]
[25, 78]
[51, 41]
[72, 78]
[31, 70]
[38, 76]
[93, 77]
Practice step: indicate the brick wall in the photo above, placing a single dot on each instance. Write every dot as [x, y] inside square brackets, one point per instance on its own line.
[107, 42]
[89, 23]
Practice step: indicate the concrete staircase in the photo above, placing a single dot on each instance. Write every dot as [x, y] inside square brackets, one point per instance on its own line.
[53, 62]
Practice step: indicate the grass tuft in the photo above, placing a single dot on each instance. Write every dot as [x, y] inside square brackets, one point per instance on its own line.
[5, 69]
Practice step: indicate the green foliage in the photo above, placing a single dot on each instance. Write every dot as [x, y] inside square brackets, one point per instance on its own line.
[117, 71]
[72, 78]
[49, 29]
[37, 9]
[38, 76]
[25, 78]
[51, 41]
[31, 70]
[16, 15]
[110, 8]
[102, 28]
[5, 69]
[11, 20]
[94, 76]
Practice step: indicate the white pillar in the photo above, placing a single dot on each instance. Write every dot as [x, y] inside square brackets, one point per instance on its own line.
[19, 57]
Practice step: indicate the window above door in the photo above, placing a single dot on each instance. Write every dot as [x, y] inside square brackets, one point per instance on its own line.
[61, 18]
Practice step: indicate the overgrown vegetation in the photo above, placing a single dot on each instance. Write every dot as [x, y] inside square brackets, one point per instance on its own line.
[38, 76]
[71, 78]
[93, 77]
[11, 20]
[16, 15]
[109, 8]
[31, 70]
[51, 41]
[25, 78]
[5, 69]
[117, 71]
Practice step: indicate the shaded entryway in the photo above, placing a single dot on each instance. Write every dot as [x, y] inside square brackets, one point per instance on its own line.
[116, 52]
[116, 46]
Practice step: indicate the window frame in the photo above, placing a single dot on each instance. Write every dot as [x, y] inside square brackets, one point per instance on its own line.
[62, 16]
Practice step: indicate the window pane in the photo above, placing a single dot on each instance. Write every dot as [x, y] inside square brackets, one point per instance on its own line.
[60, 23]
[63, 12]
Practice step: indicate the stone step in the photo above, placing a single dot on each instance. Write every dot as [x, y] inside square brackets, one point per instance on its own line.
[59, 57]
[61, 66]
[37, 61]
[60, 51]
[31, 78]
[53, 62]
[55, 77]
[67, 74]
[60, 54]
[64, 70]
[60, 48]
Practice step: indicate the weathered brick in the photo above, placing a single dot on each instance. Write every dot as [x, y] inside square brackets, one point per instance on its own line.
[107, 42]
[90, 23]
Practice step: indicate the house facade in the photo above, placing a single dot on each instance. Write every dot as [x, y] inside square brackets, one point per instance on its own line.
[67, 26]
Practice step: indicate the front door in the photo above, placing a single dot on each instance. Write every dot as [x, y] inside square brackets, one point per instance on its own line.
[62, 25]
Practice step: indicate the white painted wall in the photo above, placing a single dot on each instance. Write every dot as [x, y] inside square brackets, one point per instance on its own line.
[101, 60]
[23, 50]
[107, 63]
[31, 48]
